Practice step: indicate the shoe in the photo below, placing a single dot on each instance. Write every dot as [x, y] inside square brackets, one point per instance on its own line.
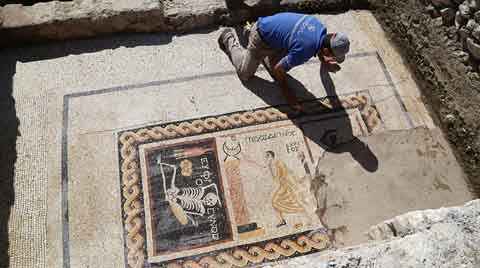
[236, 4]
[283, 223]
[223, 39]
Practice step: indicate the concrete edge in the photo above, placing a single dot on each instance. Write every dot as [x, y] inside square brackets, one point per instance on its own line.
[419, 221]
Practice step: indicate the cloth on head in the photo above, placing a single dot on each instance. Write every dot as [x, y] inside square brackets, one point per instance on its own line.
[340, 46]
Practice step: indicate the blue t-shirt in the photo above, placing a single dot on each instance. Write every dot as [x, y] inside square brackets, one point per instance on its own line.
[299, 34]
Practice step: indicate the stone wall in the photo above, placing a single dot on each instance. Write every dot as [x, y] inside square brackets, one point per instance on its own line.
[465, 16]
[467, 22]
[57, 20]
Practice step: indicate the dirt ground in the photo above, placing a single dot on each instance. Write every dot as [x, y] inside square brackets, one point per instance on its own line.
[449, 83]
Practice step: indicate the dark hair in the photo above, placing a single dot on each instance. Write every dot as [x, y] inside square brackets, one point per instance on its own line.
[271, 153]
[327, 41]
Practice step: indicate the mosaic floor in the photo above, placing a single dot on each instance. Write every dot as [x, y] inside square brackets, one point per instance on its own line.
[185, 166]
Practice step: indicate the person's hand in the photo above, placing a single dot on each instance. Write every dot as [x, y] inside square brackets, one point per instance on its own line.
[332, 67]
[330, 63]
[328, 59]
[296, 106]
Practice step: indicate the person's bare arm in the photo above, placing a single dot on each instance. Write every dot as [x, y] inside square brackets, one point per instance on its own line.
[281, 76]
[272, 170]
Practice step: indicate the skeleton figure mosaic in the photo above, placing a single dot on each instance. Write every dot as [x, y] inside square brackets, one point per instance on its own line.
[188, 200]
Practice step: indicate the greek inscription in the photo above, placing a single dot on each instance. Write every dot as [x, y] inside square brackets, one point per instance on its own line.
[293, 147]
[269, 136]
[212, 219]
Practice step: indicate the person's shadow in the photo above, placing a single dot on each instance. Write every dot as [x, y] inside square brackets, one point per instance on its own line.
[336, 135]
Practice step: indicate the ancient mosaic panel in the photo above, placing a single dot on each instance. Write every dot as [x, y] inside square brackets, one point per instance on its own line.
[232, 190]
[185, 194]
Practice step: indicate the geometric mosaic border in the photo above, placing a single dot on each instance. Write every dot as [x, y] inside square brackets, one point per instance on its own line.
[244, 256]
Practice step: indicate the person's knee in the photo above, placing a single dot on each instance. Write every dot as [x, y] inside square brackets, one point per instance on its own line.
[245, 77]
[248, 68]
[245, 74]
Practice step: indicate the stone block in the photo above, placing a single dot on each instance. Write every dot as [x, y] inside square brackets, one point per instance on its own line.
[432, 11]
[422, 221]
[15, 16]
[464, 10]
[58, 20]
[476, 33]
[474, 5]
[442, 3]
[137, 5]
[464, 33]
[377, 3]
[438, 22]
[72, 10]
[448, 16]
[459, 20]
[471, 24]
[474, 48]
[477, 16]
[463, 57]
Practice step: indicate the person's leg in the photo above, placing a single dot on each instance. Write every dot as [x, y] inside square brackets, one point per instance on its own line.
[245, 61]
[276, 3]
[273, 59]
[281, 219]
[235, 4]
